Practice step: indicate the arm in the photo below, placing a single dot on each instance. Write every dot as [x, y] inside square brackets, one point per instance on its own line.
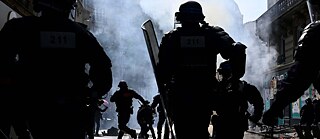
[114, 97]
[137, 96]
[155, 101]
[166, 65]
[233, 51]
[8, 52]
[254, 97]
[100, 68]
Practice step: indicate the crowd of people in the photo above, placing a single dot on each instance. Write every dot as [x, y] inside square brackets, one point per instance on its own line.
[54, 68]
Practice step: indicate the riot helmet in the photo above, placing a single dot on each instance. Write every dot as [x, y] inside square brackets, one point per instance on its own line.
[122, 84]
[225, 70]
[190, 11]
[56, 5]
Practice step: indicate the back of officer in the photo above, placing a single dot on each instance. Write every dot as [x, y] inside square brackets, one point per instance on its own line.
[187, 65]
[232, 105]
[48, 56]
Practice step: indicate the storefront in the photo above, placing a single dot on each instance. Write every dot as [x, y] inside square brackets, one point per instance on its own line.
[292, 111]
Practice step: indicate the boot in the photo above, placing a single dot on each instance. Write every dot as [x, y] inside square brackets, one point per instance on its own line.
[121, 133]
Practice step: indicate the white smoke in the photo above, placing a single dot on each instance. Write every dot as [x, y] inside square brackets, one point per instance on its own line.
[117, 27]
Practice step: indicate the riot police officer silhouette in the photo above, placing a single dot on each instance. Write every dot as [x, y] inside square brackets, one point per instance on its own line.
[123, 98]
[157, 106]
[47, 56]
[145, 118]
[231, 104]
[187, 67]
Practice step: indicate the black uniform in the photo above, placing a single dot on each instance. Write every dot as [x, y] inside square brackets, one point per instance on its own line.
[231, 107]
[187, 64]
[93, 113]
[303, 73]
[98, 116]
[307, 114]
[47, 56]
[145, 120]
[123, 99]
[157, 104]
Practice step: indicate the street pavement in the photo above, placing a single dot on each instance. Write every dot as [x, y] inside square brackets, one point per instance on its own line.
[247, 135]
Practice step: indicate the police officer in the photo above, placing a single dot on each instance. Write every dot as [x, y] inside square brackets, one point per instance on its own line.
[187, 63]
[231, 104]
[307, 114]
[157, 105]
[123, 99]
[145, 119]
[47, 56]
[303, 72]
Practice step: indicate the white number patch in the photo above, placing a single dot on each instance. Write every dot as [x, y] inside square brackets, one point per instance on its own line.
[57, 40]
[192, 41]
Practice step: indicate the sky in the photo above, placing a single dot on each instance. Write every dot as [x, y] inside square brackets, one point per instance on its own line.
[251, 9]
[118, 29]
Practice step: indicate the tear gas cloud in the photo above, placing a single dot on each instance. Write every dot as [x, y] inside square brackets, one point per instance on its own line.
[117, 26]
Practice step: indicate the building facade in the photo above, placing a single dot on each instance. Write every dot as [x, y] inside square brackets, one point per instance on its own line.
[280, 27]
[16, 8]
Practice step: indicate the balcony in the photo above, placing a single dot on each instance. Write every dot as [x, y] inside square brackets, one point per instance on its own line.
[274, 13]
[277, 10]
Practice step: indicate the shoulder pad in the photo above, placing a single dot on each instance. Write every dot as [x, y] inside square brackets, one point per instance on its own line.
[217, 28]
[220, 31]
[82, 25]
[309, 31]
[170, 33]
[214, 28]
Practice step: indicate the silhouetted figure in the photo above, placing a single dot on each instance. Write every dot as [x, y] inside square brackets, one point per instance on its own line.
[307, 118]
[303, 72]
[187, 67]
[157, 105]
[98, 115]
[145, 120]
[232, 104]
[93, 115]
[47, 57]
[316, 104]
[315, 127]
[89, 112]
[123, 99]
